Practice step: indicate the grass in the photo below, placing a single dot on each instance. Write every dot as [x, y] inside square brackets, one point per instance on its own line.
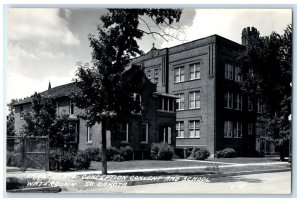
[146, 164]
[243, 160]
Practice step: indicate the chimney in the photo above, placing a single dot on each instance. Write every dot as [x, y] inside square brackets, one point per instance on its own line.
[49, 86]
[248, 33]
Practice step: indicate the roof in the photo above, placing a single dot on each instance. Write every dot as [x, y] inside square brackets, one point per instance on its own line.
[56, 92]
[166, 95]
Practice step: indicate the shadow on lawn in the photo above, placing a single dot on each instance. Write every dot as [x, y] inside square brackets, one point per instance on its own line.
[234, 179]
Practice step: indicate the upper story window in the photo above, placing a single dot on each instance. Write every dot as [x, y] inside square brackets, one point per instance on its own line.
[260, 107]
[180, 129]
[194, 127]
[166, 104]
[228, 71]
[194, 100]
[180, 101]
[195, 71]
[179, 74]
[238, 102]
[138, 100]
[228, 100]
[250, 104]
[238, 74]
[155, 76]
[228, 129]
[124, 132]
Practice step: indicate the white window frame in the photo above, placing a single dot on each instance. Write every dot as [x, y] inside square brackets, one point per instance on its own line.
[180, 74]
[194, 68]
[156, 76]
[238, 129]
[237, 74]
[228, 129]
[193, 102]
[239, 102]
[250, 128]
[147, 131]
[180, 129]
[228, 101]
[228, 71]
[89, 137]
[180, 101]
[127, 133]
[193, 122]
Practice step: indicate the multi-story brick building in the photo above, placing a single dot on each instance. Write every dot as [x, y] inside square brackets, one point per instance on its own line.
[211, 110]
[155, 124]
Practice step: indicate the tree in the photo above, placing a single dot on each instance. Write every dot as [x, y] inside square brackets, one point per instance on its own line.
[106, 93]
[10, 123]
[270, 58]
[43, 121]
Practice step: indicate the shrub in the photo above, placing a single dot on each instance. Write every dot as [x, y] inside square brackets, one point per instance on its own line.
[67, 160]
[14, 159]
[118, 157]
[111, 152]
[199, 153]
[226, 153]
[161, 151]
[54, 160]
[82, 160]
[126, 153]
[94, 154]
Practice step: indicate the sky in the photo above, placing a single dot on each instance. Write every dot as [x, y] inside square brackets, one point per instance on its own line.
[44, 45]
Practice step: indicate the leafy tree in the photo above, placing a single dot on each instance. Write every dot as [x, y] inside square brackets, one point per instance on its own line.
[106, 92]
[43, 121]
[270, 58]
[10, 123]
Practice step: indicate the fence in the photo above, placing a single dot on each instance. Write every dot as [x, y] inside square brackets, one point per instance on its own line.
[28, 152]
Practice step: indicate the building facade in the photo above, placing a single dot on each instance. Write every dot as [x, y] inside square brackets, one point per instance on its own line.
[155, 124]
[211, 110]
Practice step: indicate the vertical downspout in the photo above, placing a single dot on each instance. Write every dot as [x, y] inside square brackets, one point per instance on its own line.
[167, 70]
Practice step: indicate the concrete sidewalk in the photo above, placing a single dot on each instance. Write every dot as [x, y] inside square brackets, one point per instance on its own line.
[73, 174]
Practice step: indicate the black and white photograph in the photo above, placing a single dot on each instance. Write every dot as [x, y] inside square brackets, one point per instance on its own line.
[148, 100]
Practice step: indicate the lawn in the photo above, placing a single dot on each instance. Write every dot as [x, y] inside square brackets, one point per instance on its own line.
[243, 160]
[147, 164]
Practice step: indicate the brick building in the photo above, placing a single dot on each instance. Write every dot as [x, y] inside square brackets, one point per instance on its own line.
[156, 124]
[211, 110]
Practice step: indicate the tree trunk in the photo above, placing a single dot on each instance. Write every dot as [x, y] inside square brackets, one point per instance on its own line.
[281, 153]
[104, 150]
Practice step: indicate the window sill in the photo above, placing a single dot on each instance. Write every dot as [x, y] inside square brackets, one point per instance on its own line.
[195, 108]
[124, 142]
[179, 82]
[193, 137]
[89, 142]
[144, 143]
[195, 79]
[159, 110]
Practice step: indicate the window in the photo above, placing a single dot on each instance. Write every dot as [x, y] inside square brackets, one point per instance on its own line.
[195, 71]
[238, 130]
[238, 102]
[89, 135]
[228, 102]
[180, 129]
[156, 76]
[238, 74]
[228, 71]
[124, 132]
[180, 102]
[250, 104]
[144, 132]
[71, 107]
[260, 107]
[250, 128]
[228, 129]
[194, 100]
[138, 102]
[179, 74]
[194, 127]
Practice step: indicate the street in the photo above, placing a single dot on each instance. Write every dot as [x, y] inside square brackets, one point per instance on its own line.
[264, 183]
